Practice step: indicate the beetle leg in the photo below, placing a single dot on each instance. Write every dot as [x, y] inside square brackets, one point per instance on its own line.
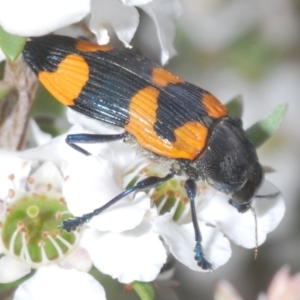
[202, 262]
[147, 183]
[84, 138]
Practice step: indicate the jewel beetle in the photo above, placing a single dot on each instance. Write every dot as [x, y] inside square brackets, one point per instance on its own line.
[166, 116]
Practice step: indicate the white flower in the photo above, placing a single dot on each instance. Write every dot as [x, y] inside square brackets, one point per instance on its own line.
[283, 286]
[34, 18]
[30, 211]
[121, 241]
[214, 213]
[53, 282]
[47, 185]
[219, 222]
[124, 240]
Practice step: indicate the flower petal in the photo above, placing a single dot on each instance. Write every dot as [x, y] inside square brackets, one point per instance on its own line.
[137, 254]
[91, 125]
[11, 163]
[120, 154]
[181, 240]
[34, 17]
[163, 14]
[58, 150]
[225, 291]
[78, 259]
[53, 282]
[284, 285]
[35, 136]
[269, 213]
[123, 19]
[12, 270]
[135, 2]
[97, 177]
[47, 175]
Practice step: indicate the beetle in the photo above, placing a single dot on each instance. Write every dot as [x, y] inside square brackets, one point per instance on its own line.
[166, 116]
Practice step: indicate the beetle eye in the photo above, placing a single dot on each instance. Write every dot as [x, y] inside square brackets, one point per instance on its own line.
[238, 122]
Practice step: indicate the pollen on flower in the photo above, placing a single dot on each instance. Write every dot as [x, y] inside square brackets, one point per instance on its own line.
[11, 193]
[55, 233]
[170, 193]
[8, 211]
[58, 215]
[66, 178]
[30, 180]
[62, 201]
[30, 228]
[49, 187]
[11, 177]
[41, 244]
[202, 188]
[20, 225]
[46, 234]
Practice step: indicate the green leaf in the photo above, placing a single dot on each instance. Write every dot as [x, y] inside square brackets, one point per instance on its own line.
[235, 107]
[145, 290]
[12, 45]
[264, 129]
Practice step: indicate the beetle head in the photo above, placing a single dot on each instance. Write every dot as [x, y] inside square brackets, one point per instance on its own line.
[229, 163]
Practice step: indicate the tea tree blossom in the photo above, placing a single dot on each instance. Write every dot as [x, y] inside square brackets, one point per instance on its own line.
[123, 241]
[173, 221]
[35, 18]
[283, 286]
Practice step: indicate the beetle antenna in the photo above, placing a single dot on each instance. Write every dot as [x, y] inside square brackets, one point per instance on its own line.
[256, 235]
[268, 195]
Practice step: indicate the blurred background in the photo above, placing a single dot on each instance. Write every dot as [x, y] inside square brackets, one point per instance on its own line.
[249, 48]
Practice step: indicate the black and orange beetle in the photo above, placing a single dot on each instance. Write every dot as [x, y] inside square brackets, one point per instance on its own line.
[168, 117]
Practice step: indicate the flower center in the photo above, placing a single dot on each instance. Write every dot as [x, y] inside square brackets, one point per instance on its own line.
[30, 229]
[168, 195]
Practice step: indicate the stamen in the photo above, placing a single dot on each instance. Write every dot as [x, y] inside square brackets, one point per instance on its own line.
[11, 193]
[30, 180]
[185, 213]
[56, 246]
[43, 254]
[62, 201]
[66, 212]
[11, 177]
[65, 242]
[12, 240]
[162, 203]
[24, 252]
[256, 234]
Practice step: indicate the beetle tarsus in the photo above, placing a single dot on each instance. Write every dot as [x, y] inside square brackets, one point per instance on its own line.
[202, 262]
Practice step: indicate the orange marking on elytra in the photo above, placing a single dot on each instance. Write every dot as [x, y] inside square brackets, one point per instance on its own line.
[163, 77]
[66, 83]
[190, 138]
[213, 106]
[86, 46]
